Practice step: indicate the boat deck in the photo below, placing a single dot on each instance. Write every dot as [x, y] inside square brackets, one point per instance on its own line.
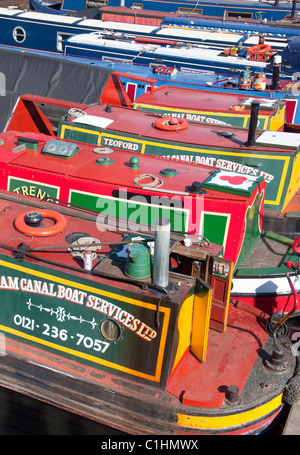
[266, 253]
[121, 174]
[236, 370]
[185, 98]
[133, 122]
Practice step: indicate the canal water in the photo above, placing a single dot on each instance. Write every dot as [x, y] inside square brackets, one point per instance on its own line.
[21, 415]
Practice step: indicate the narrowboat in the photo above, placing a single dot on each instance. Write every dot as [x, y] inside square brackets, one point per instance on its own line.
[46, 32]
[136, 15]
[219, 8]
[94, 322]
[90, 177]
[145, 51]
[289, 26]
[271, 154]
[247, 83]
[203, 204]
[223, 108]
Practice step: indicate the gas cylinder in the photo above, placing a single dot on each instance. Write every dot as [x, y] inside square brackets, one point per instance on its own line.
[259, 81]
[245, 81]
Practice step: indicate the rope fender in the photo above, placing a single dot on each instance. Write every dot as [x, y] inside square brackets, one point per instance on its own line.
[291, 392]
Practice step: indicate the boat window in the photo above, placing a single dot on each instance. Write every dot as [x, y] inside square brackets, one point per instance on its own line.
[60, 38]
[110, 330]
[239, 14]
[19, 34]
[137, 5]
[98, 4]
[184, 10]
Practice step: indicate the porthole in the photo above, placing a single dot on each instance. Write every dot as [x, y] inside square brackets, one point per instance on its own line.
[110, 330]
[19, 34]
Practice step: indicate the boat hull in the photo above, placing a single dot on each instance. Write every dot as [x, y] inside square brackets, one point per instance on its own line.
[96, 396]
[123, 350]
[37, 361]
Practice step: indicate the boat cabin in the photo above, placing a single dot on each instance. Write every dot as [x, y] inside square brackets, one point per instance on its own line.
[126, 186]
[273, 154]
[214, 108]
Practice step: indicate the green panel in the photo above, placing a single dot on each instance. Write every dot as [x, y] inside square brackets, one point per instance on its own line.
[78, 133]
[136, 213]
[272, 167]
[215, 227]
[211, 118]
[252, 231]
[29, 188]
[64, 314]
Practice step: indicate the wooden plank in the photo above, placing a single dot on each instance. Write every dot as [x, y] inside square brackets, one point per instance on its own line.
[292, 426]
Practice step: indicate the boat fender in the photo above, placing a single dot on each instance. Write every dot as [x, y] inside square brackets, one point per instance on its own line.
[259, 49]
[171, 124]
[295, 246]
[291, 392]
[59, 225]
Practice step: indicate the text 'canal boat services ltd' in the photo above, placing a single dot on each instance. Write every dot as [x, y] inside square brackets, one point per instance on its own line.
[94, 322]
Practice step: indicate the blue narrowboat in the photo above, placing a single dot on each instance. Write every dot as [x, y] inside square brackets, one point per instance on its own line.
[220, 8]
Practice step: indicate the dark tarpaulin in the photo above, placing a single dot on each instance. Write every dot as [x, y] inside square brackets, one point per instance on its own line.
[54, 77]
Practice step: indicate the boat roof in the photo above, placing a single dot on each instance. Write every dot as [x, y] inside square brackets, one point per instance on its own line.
[233, 24]
[185, 98]
[120, 173]
[99, 41]
[12, 12]
[12, 205]
[218, 36]
[137, 123]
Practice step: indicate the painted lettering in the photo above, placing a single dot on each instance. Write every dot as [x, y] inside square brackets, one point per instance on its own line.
[9, 282]
[77, 296]
[120, 144]
[32, 191]
[122, 316]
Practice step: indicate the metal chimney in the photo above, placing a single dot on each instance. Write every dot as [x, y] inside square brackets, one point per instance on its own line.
[161, 252]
